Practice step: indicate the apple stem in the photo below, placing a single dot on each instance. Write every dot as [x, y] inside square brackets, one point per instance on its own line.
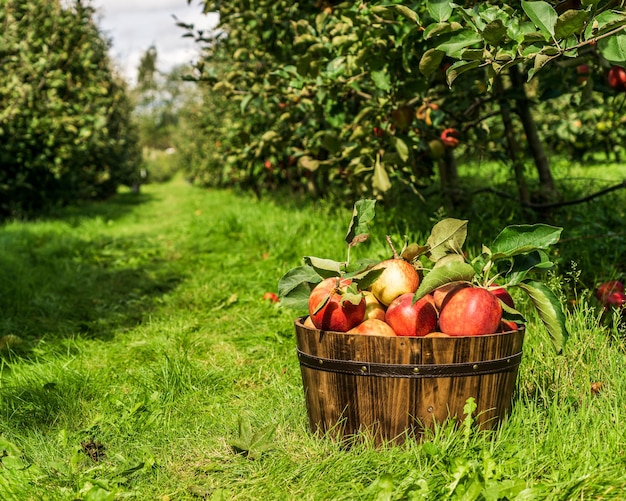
[393, 249]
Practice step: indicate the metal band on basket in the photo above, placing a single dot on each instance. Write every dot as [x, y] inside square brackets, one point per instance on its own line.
[410, 371]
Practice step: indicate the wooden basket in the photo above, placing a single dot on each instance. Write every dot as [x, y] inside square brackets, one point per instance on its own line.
[394, 387]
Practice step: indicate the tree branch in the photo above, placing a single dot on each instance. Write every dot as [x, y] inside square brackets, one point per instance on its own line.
[576, 201]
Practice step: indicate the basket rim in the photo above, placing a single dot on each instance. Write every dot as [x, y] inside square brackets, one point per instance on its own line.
[299, 323]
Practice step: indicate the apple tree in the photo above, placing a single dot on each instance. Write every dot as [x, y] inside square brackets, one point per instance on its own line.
[381, 97]
[65, 121]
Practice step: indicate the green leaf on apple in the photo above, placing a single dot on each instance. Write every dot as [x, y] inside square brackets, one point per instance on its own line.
[509, 313]
[569, 23]
[604, 22]
[447, 236]
[430, 61]
[297, 298]
[380, 181]
[439, 11]
[325, 268]
[549, 309]
[522, 264]
[449, 258]
[362, 215]
[381, 79]
[296, 276]
[365, 277]
[524, 238]
[295, 286]
[352, 295]
[494, 32]
[457, 42]
[360, 265]
[401, 147]
[458, 68]
[452, 272]
[404, 11]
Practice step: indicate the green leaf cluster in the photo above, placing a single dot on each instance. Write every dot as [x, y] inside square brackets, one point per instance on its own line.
[328, 97]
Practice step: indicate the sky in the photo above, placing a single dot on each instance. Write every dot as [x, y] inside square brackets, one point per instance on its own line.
[135, 25]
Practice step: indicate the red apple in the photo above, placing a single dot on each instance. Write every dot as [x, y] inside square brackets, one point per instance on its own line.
[399, 277]
[503, 295]
[617, 78]
[471, 311]
[508, 326]
[437, 334]
[449, 137]
[583, 72]
[607, 288]
[615, 299]
[373, 327]
[373, 307]
[582, 69]
[271, 296]
[332, 309]
[412, 319]
[445, 292]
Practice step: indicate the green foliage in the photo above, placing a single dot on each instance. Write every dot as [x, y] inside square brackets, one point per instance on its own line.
[65, 131]
[352, 100]
[159, 165]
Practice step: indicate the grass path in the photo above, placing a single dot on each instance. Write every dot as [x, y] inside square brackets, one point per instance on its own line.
[146, 346]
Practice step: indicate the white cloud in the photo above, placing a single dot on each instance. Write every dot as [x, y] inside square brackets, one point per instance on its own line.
[135, 25]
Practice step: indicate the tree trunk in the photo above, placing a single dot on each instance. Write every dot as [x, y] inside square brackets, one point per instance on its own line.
[514, 150]
[524, 111]
[449, 178]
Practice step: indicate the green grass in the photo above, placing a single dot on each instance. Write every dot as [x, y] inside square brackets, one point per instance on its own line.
[139, 344]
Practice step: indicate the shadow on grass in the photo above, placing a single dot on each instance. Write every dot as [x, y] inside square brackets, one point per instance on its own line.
[110, 209]
[56, 285]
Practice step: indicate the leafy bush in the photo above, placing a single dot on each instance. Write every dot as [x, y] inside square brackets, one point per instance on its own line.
[65, 130]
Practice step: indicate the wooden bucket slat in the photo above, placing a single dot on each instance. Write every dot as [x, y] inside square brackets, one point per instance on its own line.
[345, 403]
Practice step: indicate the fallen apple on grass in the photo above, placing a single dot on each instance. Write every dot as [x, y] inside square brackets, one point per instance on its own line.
[271, 296]
[615, 299]
[605, 289]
